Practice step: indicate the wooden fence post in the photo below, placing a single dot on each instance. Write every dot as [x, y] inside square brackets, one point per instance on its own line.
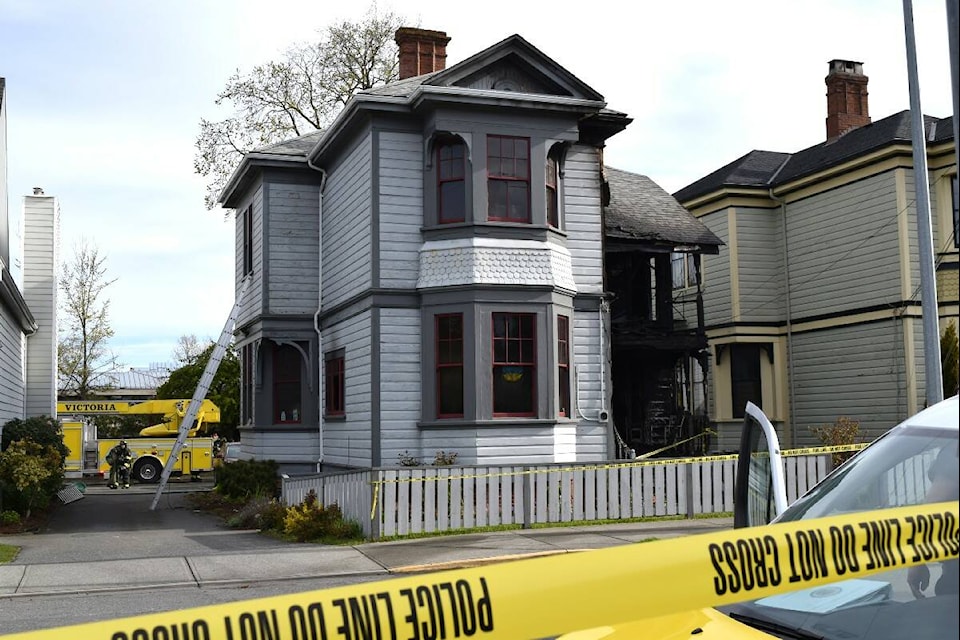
[688, 471]
[527, 499]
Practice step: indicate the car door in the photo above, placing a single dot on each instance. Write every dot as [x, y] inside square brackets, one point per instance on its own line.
[760, 494]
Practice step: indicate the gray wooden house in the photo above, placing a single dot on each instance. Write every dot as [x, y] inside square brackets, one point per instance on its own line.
[428, 273]
[813, 310]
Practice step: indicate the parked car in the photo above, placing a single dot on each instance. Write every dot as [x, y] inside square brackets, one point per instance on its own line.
[914, 463]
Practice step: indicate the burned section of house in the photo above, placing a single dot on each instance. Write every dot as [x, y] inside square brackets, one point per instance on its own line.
[659, 348]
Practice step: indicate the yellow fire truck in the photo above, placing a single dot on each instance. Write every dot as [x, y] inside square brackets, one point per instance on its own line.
[150, 450]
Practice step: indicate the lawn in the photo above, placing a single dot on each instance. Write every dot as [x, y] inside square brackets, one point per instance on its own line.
[8, 552]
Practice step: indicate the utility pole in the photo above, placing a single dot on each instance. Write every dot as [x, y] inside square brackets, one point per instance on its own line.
[928, 278]
[953, 35]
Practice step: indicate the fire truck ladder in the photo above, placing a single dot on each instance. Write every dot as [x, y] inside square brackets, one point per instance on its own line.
[206, 379]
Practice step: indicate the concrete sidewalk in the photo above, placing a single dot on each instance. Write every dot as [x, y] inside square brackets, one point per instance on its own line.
[31, 575]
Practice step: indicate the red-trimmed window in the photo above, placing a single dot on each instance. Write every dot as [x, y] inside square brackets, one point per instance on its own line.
[508, 179]
[553, 206]
[286, 384]
[514, 364]
[563, 364]
[451, 189]
[449, 332]
[335, 387]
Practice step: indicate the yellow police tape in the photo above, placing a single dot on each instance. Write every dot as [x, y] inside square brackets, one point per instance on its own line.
[629, 464]
[543, 597]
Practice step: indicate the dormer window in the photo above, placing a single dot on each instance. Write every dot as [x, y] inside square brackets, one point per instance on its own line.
[451, 191]
[508, 179]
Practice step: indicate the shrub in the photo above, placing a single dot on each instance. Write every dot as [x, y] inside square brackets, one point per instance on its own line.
[266, 514]
[440, 459]
[842, 431]
[31, 455]
[43, 430]
[445, 458]
[30, 475]
[246, 479]
[9, 517]
[311, 521]
[407, 459]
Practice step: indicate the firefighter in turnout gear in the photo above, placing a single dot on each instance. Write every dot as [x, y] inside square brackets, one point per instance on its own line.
[119, 458]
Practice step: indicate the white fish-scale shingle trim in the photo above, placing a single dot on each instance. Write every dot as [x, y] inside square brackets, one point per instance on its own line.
[448, 263]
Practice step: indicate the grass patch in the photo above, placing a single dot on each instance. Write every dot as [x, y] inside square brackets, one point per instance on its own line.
[8, 553]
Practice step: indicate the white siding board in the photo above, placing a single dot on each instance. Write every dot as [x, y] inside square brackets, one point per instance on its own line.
[293, 248]
[400, 389]
[40, 264]
[401, 208]
[582, 217]
[251, 305]
[346, 227]
[347, 441]
[11, 367]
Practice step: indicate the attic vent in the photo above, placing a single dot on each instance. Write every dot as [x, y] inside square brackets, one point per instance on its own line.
[505, 84]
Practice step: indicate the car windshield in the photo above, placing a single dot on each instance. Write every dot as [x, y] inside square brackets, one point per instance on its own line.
[909, 465]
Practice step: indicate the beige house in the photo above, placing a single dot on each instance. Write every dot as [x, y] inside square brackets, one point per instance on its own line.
[813, 307]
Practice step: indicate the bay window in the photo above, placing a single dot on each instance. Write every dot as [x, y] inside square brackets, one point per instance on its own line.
[449, 365]
[508, 179]
[514, 364]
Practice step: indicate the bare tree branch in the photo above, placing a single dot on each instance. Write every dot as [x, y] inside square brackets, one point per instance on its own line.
[84, 360]
[302, 92]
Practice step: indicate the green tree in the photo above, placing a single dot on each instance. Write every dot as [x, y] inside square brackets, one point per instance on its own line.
[298, 94]
[44, 430]
[224, 391]
[84, 360]
[950, 360]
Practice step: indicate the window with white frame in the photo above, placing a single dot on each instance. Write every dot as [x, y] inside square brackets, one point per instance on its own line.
[684, 272]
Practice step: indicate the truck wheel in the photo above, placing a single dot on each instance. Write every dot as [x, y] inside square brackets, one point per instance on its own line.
[147, 471]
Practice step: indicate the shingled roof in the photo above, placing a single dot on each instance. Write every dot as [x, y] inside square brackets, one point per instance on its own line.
[769, 169]
[299, 146]
[640, 210]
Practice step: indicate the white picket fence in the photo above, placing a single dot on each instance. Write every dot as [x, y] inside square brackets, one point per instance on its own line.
[408, 500]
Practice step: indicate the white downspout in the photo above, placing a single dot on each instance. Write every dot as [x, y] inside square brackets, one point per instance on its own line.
[316, 315]
[602, 414]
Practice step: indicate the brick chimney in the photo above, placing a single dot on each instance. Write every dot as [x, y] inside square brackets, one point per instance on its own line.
[846, 98]
[421, 51]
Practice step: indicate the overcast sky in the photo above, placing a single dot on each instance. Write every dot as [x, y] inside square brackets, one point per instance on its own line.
[104, 98]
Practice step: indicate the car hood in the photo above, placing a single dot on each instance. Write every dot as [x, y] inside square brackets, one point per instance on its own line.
[712, 625]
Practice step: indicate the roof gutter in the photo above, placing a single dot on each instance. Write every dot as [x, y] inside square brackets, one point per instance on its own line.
[12, 298]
